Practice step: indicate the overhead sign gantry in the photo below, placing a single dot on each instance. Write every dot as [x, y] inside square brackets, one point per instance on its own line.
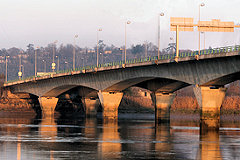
[178, 24]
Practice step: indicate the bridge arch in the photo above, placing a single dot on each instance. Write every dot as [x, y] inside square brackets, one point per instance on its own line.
[223, 80]
[155, 84]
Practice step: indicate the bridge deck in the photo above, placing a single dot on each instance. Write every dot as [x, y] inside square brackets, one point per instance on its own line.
[163, 59]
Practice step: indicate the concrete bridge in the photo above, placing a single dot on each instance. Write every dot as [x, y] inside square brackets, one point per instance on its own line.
[209, 71]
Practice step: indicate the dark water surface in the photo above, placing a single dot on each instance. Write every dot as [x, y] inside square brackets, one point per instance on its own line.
[24, 137]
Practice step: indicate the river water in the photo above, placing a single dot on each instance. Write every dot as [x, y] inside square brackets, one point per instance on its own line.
[131, 137]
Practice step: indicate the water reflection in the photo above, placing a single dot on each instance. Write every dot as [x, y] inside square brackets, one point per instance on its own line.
[109, 146]
[48, 129]
[209, 147]
[163, 137]
[91, 138]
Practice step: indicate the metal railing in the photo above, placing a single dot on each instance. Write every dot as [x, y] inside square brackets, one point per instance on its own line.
[141, 60]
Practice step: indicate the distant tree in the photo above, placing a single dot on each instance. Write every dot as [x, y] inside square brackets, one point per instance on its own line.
[137, 49]
[30, 48]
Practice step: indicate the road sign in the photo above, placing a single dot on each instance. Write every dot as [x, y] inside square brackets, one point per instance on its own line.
[215, 26]
[184, 24]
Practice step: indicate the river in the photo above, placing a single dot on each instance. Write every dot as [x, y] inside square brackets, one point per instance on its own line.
[131, 137]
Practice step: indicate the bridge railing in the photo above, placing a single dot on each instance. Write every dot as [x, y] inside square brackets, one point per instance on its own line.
[147, 59]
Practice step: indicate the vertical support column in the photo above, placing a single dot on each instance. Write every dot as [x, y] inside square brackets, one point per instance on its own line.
[110, 102]
[48, 105]
[210, 101]
[163, 104]
[90, 106]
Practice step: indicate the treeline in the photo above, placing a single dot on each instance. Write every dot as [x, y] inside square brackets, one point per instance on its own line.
[64, 56]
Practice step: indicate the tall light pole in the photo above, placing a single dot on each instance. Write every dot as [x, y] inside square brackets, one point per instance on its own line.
[82, 62]
[57, 63]
[66, 65]
[36, 62]
[53, 64]
[204, 40]
[6, 76]
[74, 51]
[199, 16]
[45, 65]
[128, 22]
[160, 15]
[20, 71]
[99, 30]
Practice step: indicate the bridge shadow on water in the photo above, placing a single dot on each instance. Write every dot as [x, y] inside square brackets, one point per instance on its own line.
[130, 137]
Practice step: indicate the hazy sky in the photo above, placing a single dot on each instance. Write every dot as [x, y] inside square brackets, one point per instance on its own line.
[43, 21]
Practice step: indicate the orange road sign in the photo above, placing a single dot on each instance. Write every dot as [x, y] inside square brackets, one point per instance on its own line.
[185, 24]
[215, 26]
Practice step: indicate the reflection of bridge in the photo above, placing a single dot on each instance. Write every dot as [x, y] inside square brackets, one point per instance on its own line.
[213, 69]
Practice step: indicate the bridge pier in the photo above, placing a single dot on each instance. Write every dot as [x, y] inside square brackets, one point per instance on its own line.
[210, 101]
[48, 105]
[90, 106]
[162, 104]
[110, 102]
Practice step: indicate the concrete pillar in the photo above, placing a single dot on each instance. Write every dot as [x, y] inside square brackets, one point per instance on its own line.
[110, 102]
[163, 104]
[90, 106]
[48, 105]
[210, 101]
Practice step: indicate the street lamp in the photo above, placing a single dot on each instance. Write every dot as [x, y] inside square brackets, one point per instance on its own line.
[20, 71]
[102, 57]
[6, 77]
[160, 15]
[36, 61]
[57, 63]
[45, 66]
[204, 40]
[74, 51]
[200, 5]
[128, 22]
[99, 30]
[66, 65]
[53, 64]
[82, 62]
[22, 68]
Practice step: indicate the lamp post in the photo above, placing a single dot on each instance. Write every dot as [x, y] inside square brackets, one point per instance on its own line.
[201, 5]
[45, 66]
[82, 62]
[57, 63]
[160, 15]
[20, 71]
[74, 51]
[121, 50]
[6, 77]
[22, 68]
[128, 22]
[66, 65]
[102, 57]
[53, 64]
[99, 30]
[204, 40]
[36, 62]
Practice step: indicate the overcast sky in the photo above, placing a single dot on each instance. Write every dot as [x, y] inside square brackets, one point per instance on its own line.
[43, 21]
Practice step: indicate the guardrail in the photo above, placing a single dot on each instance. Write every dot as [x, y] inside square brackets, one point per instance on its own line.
[141, 60]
